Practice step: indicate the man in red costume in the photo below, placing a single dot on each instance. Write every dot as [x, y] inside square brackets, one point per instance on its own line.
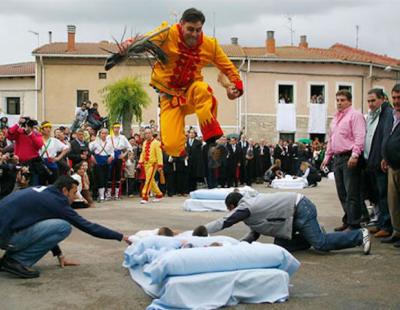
[180, 83]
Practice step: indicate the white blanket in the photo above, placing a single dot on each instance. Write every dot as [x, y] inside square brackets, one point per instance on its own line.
[221, 193]
[288, 182]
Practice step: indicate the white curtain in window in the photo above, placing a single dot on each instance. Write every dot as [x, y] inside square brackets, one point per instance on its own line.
[317, 118]
[286, 118]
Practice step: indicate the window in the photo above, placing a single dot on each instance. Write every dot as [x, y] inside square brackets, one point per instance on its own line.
[320, 136]
[346, 87]
[82, 95]
[286, 136]
[317, 94]
[13, 105]
[286, 93]
[102, 75]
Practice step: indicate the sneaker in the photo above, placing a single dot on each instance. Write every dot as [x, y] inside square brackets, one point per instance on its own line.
[143, 201]
[156, 199]
[366, 242]
[131, 196]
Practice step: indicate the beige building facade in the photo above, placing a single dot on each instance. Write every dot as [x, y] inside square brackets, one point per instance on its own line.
[17, 91]
[281, 84]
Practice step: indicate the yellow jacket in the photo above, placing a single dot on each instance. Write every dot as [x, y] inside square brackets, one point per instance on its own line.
[151, 153]
[185, 64]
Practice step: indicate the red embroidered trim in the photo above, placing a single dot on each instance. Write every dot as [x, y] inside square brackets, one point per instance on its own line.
[147, 150]
[185, 65]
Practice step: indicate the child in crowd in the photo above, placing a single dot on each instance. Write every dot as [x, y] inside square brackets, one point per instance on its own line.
[130, 173]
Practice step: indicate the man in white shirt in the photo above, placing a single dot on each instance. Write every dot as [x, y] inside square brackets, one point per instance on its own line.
[121, 147]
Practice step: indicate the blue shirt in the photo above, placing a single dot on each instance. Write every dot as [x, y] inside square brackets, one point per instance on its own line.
[26, 207]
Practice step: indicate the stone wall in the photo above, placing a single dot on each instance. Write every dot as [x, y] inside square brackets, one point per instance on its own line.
[264, 127]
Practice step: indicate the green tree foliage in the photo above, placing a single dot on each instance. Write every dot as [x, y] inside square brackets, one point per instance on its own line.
[124, 100]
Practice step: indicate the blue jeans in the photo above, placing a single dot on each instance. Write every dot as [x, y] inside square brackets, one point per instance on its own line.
[305, 224]
[32, 243]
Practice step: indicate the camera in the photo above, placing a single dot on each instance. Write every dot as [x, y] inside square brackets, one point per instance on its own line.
[26, 121]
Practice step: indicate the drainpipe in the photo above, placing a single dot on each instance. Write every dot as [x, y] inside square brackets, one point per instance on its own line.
[239, 100]
[245, 101]
[36, 89]
[43, 88]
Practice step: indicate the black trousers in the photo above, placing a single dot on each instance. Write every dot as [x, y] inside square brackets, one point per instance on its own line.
[101, 175]
[348, 187]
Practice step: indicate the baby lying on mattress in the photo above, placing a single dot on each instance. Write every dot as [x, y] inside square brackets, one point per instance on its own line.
[200, 231]
[206, 275]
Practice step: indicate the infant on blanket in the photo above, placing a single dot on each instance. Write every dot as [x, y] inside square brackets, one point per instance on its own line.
[200, 231]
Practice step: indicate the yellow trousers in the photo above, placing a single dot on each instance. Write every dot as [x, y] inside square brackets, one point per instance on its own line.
[150, 183]
[198, 99]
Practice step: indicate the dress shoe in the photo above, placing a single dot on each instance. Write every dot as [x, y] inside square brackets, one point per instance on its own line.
[382, 234]
[341, 228]
[366, 243]
[373, 230]
[391, 239]
[397, 244]
[12, 266]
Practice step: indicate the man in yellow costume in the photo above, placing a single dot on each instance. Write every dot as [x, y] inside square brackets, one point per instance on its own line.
[151, 161]
[179, 80]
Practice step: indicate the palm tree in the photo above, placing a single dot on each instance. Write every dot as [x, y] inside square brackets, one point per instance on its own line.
[124, 100]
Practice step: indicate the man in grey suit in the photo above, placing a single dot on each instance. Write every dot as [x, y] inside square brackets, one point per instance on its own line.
[289, 217]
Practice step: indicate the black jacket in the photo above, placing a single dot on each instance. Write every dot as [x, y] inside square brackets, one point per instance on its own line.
[195, 160]
[391, 147]
[381, 134]
[76, 150]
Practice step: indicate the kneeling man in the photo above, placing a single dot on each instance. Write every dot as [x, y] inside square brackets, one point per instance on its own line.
[34, 220]
[289, 217]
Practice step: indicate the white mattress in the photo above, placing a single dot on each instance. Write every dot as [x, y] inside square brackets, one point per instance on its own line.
[202, 205]
[289, 183]
[191, 286]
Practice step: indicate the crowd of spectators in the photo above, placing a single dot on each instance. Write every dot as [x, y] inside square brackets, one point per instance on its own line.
[106, 163]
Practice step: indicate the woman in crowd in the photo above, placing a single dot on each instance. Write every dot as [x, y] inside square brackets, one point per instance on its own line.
[86, 193]
[274, 172]
[79, 174]
[309, 173]
[103, 152]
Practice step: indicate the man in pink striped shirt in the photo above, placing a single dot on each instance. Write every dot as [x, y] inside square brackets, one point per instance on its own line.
[345, 145]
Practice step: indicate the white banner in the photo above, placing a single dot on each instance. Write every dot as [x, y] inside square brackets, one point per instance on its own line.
[317, 118]
[286, 117]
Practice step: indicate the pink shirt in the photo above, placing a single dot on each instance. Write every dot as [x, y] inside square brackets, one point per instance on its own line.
[347, 133]
[26, 147]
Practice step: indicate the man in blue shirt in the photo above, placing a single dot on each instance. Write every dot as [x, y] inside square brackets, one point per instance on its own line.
[34, 220]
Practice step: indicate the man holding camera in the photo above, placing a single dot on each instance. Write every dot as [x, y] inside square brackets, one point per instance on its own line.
[27, 143]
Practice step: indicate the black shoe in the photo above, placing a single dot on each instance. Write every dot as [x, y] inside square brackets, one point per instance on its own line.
[397, 244]
[391, 239]
[12, 266]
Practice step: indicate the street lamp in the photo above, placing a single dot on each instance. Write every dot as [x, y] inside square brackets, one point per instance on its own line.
[36, 34]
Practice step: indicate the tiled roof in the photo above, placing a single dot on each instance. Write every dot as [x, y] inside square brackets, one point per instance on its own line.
[18, 69]
[60, 48]
[334, 53]
[337, 52]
